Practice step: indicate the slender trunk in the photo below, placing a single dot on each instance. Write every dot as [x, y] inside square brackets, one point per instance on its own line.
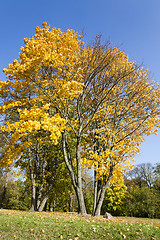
[44, 201]
[51, 208]
[54, 201]
[81, 203]
[45, 207]
[39, 197]
[100, 195]
[70, 203]
[95, 193]
[33, 200]
[100, 202]
[42, 205]
[33, 182]
[76, 180]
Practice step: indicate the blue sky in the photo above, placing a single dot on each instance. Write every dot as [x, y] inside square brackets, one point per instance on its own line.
[132, 25]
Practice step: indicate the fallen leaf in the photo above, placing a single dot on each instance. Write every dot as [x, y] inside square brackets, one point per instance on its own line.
[57, 220]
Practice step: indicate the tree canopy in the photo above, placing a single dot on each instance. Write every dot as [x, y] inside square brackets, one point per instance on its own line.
[89, 98]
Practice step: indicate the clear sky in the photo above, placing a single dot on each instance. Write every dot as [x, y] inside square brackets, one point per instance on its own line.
[132, 25]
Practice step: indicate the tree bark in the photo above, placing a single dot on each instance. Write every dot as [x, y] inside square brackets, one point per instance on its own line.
[33, 182]
[39, 197]
[76, 179]
[44, 201]
[70, 203]
[100, 202]
[81, 203]
[42, 205]
[33, 200]
[100, 193]
[95, 192]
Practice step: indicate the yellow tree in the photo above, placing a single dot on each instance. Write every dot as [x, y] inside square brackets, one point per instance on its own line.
[27, 133]
[40, 84]
[90, 95]
[126, 113]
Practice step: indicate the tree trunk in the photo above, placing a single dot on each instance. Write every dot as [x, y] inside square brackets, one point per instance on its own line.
[81, 203]
[97, 211]
[45, 207]
[95, 193]
[76, 179]
[33, 200]
[70, 202]
[100, 193]
[39, 197]
[42, 205]
[51, 206]
[33, 182]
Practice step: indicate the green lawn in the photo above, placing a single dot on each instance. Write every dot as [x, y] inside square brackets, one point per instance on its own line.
[37, 226]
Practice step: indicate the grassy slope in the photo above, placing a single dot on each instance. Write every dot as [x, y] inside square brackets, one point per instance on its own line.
[37, 226]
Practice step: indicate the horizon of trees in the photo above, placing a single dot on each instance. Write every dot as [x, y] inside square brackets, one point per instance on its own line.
[138, 197]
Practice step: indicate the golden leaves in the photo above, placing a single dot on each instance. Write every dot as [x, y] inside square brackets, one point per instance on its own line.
[54, 85]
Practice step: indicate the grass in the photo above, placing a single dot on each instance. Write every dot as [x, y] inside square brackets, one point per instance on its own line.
[45, 225]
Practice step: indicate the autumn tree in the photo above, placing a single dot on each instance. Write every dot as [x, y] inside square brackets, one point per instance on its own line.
[39, 163]
[45, 58]
[115, 197]
[29, 150]
[92, 93]
[124, 106]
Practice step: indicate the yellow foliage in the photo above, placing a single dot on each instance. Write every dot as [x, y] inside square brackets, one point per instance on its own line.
[56, 83]
[46, 62]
